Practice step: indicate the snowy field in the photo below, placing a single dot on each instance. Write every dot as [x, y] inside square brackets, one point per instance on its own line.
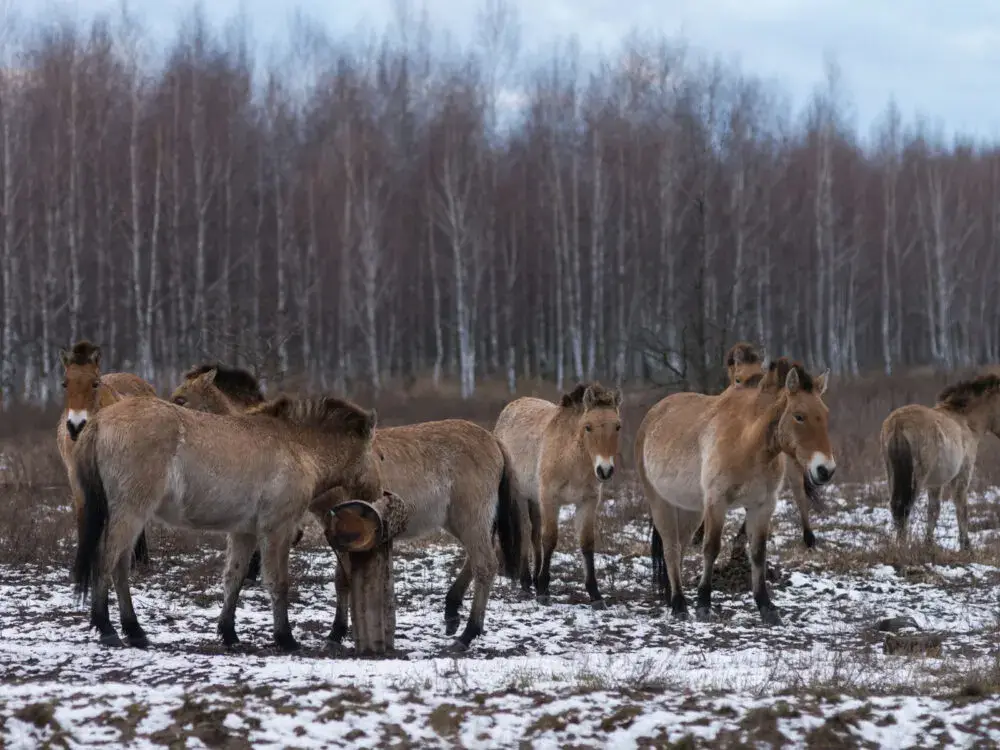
[542, 676]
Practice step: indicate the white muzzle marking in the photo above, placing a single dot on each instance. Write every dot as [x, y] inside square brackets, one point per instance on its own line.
[604, 467]
[821, 467]
[76, 417]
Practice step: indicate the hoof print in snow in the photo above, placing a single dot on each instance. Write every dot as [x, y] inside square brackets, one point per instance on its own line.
[923, 644]
[896, 624]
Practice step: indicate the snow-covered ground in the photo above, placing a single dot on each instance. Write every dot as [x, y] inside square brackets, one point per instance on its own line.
[544, 676]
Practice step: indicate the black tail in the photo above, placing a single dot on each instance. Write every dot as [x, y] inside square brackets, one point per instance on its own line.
[507, 525]
[94, 518]
[141, 551]
[902, 487]
[660, 580]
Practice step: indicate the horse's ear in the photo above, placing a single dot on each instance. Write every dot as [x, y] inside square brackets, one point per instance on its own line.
[357, 526]
[371, 422]
[822, 381]
[209, 376]
[792, 380]
[64, 356]
[619, 397]
[588, 398]
[95, 356]
[737, 358]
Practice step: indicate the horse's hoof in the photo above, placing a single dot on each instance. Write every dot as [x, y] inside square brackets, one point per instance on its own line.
[111, 640]
[286, 642]
[809, 539]
[138, 641]
[703, 614]
[458, 647]
[525, 595]
[451, 626]
[679, 614]
[543, 599]
[334, 648]
[770, 617]
[598, 603]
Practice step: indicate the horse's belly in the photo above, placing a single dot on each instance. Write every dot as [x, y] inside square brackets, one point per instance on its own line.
[680, 490]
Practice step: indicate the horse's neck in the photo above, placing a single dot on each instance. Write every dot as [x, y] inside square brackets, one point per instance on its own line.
[761, 415]
[975, 421]
[105, 396]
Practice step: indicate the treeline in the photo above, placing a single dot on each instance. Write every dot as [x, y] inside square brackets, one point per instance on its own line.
[366, 215]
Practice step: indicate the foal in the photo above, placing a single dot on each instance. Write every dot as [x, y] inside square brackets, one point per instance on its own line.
[563, 454]
[935, 448]
[699, 455]
[87, 392]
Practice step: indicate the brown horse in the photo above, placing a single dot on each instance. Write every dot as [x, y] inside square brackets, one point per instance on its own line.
[454, 475]
[87, 392]
[563, 454]
[699, 455]
[935, 449]
[252, 475]
[745, 368]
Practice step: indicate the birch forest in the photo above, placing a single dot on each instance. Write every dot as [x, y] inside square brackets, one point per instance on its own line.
[369, 212]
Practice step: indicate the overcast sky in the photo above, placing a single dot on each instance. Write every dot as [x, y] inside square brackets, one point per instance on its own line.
[939, 59]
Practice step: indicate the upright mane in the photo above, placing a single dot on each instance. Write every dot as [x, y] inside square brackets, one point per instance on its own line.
[82, 353]
[237, 384]
[742, 353]
[325, 413]
[960, 396]
[599, 396]
[777, 374]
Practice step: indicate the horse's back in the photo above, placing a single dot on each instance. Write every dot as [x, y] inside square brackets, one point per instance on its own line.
[522, 427]
[125, 384]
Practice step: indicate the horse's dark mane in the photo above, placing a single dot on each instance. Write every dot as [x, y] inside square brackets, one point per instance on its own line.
[326, 413]
[601, 396]
[753, 380]
[748, 354]
[778, 371]
[239, 385]
[959, 396]
[82, 353]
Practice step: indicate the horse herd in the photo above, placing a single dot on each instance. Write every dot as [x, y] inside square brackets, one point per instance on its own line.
[220, 456]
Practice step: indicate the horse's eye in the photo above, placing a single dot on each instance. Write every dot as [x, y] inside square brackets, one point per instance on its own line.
[738, 381]
[180, 401]
[618, 427]
[588, 428]
[97, 384]
[64, 384]
[799, 418]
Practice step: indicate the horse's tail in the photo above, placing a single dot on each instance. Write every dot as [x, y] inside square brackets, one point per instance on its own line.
[508, 519]
[660, 580]
[93, 518]
[902, 484]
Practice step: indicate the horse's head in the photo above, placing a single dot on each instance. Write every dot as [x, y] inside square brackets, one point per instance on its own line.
[199, 393]
[743, 364]
[803, 427]
[82, 383]
[598, 424]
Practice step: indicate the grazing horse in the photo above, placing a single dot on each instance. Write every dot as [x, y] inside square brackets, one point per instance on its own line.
[455, 475]
[218, 389]
[562, 454]
[699, 455]
[251, 475]
[87, 392]
[745, 368]
[935, 449]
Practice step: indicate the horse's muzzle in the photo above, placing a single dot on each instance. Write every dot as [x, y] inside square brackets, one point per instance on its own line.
[821, 475]
[74, 429]
[604, 473]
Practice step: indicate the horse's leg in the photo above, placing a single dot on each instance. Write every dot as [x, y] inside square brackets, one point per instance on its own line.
[666, 522]
[802, 502]
[549, 509]
[960, 496]
[933, 512]
[483, 571]
[453, 599]
[714, 520]
[758, 524]
[133, 631]
[342, 585]
[586, 516]
[530, 530]
[535, 514]
[239, 549]
[274, 554]
[253, 566]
